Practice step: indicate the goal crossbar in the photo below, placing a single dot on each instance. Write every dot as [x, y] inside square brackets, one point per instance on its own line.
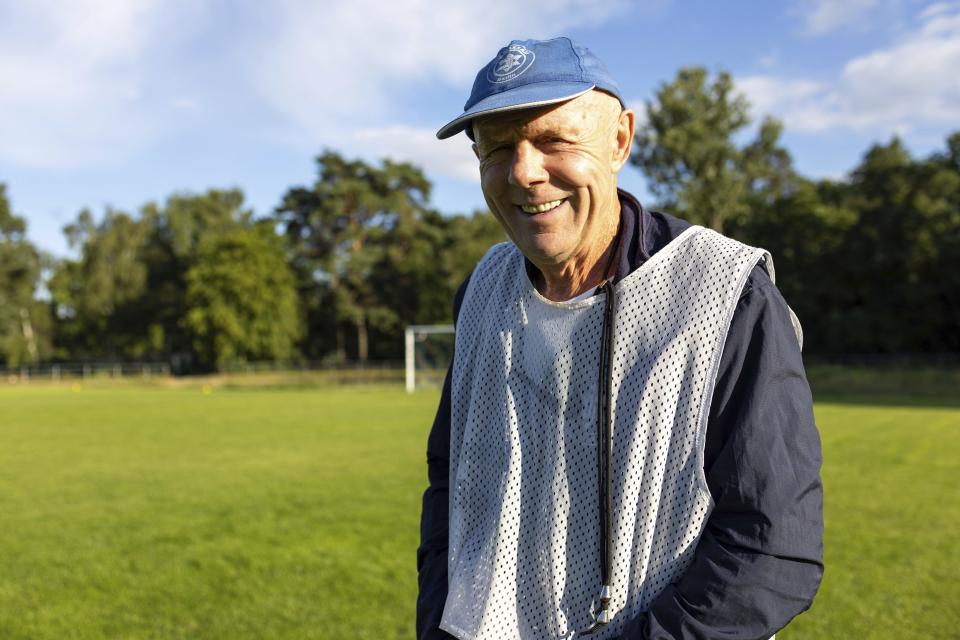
[410, 348]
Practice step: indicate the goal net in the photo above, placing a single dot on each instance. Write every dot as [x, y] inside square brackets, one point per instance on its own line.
[429, 349]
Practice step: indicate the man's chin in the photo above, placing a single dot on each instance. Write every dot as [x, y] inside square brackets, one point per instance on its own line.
[544, 254]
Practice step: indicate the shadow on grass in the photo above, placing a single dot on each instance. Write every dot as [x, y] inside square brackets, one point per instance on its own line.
[886, 386]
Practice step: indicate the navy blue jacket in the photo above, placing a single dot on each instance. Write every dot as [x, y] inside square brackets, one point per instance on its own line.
[760, 559]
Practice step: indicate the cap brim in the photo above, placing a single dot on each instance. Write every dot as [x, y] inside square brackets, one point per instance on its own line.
[533, 95]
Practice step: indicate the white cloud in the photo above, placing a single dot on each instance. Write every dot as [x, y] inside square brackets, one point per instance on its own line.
[918, 77]
[912, 82]
[639, 107]
[769, 93]
[769, 60]
[323, 65]
[185, 103]
[937, 9]
[72, 79]
[453, 158]
[823, 16]
[60, 88]
[93, 81]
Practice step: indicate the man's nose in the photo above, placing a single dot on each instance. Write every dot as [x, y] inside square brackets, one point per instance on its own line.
[527, 168]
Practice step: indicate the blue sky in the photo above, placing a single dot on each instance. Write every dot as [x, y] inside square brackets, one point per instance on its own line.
[120, 102]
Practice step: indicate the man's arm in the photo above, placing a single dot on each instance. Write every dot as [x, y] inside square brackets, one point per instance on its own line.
[760, 559]
[434, 519]
[432, 553]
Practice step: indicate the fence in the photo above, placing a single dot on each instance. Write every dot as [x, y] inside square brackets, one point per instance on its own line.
[313, 373]
[316, 372]
[85, 370]
[885, 360]
[393, 372]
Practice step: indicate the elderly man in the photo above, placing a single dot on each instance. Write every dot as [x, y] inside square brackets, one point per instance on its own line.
[625, 445]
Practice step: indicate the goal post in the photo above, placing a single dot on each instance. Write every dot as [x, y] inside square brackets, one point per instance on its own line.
[427, 352]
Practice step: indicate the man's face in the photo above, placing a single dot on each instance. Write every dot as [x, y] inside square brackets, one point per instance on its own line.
[549, 175]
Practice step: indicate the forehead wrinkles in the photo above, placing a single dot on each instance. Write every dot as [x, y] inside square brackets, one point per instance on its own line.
[571, 122]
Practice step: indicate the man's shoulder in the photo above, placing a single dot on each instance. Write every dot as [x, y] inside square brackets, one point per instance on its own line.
[657, 230]
[760, 284]
[760, 300]
[667, 227]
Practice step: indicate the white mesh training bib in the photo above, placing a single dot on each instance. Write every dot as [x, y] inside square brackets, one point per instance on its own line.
[524, 526]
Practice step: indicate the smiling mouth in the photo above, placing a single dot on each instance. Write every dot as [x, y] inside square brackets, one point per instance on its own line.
[541, 208]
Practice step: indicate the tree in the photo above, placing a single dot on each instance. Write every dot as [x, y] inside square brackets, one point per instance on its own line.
[96, 297]
[467, 239]
[904, 256]
[241, 299]
[806, 230]
[177, 229]
[372, 256]
[338, 230]
[20, 341]
[686, 149]
[125, 296]
[939, 243]
[425, 260]
[871, 263]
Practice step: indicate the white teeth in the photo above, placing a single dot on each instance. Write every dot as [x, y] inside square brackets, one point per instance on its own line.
[540, 208]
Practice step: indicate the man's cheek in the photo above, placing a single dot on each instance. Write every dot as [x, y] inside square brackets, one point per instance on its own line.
[575, 169]
[495, 208]
[494, 187]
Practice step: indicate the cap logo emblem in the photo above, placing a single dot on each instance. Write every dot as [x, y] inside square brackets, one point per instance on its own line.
[512, 64]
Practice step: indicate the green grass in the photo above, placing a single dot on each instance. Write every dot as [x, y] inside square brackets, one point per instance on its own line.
[152, 513]
[174, 513]
[891, 479]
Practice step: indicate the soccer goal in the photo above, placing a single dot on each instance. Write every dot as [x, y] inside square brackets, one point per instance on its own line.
[428, 351]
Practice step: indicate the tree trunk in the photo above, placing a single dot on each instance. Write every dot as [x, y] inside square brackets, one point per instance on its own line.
[339, 350]
[362, 339]
[27, 328]
[716, 222]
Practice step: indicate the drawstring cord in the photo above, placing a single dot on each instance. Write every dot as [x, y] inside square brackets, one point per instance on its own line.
[602, 615]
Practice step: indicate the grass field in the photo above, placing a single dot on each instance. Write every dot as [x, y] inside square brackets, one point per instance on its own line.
[178, 513]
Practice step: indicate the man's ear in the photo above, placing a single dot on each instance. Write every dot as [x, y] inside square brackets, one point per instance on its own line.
[623, 142]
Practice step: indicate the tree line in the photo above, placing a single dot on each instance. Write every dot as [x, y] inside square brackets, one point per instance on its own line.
[335, 272]
[870, 263]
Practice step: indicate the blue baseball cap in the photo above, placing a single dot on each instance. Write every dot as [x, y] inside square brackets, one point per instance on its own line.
[532, 73]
